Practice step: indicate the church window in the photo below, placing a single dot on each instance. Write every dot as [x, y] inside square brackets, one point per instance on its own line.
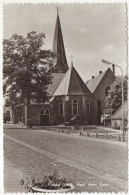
[88, 107]
[75, 107]
[47, 111]
[61, 109]
[44, 111]
[106, 90]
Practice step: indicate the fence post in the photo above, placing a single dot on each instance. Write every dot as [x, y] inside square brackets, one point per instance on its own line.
[81, 132]
[96, 135]
[106, 136]
[68, 131]
[119, 137]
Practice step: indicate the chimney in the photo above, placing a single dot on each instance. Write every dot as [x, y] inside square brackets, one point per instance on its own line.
[100, 72]
[93, 77]
[113, 68]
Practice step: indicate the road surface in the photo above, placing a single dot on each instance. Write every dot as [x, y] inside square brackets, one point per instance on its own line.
[90, 165]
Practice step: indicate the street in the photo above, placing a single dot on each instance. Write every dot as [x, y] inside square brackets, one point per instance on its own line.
[91, 166]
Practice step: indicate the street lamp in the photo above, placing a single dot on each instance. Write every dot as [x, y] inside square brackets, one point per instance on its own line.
[109, 63]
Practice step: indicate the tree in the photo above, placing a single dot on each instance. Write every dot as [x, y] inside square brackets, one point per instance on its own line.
[114, 98]
[25, 69]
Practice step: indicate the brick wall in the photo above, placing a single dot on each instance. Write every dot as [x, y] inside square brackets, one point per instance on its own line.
[99, 93]
[82, 110]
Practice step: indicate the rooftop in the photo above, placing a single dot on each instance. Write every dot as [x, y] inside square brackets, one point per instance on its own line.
[57, 78]
[72, 84]
[93, 83]
[118, 113]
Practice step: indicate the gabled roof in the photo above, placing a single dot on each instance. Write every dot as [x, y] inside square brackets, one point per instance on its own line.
[118, 113]
[93, 83]
[58, 47]
[57, 78]
[72, 84]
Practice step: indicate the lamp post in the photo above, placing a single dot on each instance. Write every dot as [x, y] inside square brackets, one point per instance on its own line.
[109, 63]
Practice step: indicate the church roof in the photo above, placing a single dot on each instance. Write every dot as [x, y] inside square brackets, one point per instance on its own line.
[58, 47]
[118, 113]
[93, 83]
[57, 78]
[72, 84]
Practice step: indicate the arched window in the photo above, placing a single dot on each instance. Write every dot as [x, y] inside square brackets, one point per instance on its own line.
[106, 90]
[75, 107]
[61, 107]
[47, 111]
[88, 107]
[42, 112]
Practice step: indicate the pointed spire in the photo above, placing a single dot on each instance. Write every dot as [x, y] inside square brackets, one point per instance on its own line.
[58, 48]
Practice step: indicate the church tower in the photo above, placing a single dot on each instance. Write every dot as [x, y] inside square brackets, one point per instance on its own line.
[60, 61]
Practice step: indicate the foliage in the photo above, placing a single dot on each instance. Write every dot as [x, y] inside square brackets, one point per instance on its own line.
[114, 98]
[47, 182]
[51, 182]
[25, 68]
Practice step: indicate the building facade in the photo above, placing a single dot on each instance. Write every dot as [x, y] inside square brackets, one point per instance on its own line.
[99, 86]
[117, 117]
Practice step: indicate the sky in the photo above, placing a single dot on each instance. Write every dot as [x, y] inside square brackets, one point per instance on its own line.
[91, 32]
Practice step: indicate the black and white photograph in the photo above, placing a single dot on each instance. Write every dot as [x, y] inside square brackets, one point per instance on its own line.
[65, 97]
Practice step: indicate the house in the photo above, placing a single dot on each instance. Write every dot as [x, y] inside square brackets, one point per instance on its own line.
[117, 116]
[99, 86]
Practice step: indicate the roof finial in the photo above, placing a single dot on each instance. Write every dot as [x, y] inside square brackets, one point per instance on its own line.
[72, 60]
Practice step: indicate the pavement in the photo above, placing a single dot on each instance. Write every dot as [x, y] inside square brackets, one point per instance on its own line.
[10, 125]
[12, 176]
[105, 176]
[74, 135]
[102, 158]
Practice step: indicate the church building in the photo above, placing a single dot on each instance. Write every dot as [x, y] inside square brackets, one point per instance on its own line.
[69, 97]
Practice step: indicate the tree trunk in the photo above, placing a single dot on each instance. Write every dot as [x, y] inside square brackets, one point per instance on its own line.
[29, 122]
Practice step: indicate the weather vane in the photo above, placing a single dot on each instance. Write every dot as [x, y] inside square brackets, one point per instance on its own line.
[57, 8]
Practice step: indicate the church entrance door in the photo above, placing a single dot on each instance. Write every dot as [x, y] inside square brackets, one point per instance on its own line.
[44, 117]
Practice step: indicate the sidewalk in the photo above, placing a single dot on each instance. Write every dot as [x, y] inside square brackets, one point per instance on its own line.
[74, 135]
[10, 125]
[12, 177]
[108, 129]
